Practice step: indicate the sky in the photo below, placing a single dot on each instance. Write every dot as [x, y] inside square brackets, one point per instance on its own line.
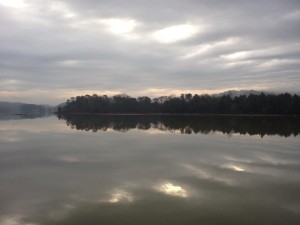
[53, 50]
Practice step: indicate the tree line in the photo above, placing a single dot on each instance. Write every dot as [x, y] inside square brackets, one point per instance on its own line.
[281, 104]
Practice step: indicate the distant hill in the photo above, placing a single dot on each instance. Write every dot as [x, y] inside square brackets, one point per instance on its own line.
[24, 108]
[10, 107]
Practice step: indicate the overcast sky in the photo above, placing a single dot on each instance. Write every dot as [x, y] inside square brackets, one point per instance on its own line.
[52, 50]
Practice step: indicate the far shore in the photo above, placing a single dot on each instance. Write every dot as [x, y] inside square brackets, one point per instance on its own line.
[158, 114]
[181, 114]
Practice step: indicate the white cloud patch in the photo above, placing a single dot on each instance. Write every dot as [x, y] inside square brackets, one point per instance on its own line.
[236, 56]
[175, 33]
[210, 47]
[119, 26]
[62, 9]
[13, 3]
[277, 62]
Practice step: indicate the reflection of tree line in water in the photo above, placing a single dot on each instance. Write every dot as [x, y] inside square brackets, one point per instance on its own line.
[252, 125]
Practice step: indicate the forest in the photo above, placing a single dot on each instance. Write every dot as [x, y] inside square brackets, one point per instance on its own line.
[271, 104]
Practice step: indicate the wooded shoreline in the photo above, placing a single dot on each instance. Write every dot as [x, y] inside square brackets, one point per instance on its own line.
[185, 104]
[183, 114]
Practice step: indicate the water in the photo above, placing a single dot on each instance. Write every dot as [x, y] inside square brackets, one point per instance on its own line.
[149, 170]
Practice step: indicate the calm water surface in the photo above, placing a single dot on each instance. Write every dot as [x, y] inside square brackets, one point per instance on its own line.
[143, 170]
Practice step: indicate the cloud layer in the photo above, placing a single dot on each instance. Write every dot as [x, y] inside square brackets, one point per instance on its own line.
[51, 50]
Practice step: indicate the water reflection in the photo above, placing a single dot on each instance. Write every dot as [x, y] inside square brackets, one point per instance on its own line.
[119, 196]
[50, 174]
[171, 189]
[252, 125]
[22, 116]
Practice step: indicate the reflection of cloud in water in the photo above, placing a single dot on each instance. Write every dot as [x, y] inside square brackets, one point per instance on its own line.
[13, 220]
[121, 196]
[200, 173]
[171, 189]
[156, 131]
[37, 125]
[9, 137]
[293, 208]
[235, 168]
[70, 159]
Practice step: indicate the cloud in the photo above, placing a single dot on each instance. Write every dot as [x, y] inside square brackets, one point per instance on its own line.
[12, 3]
[174, 33]
[119, 26]
[134, 46]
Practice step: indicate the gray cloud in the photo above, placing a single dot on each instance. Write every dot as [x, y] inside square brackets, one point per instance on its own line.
[54, 49]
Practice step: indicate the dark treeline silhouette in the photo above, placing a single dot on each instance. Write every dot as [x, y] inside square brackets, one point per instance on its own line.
[281, 104]
[252, 125]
